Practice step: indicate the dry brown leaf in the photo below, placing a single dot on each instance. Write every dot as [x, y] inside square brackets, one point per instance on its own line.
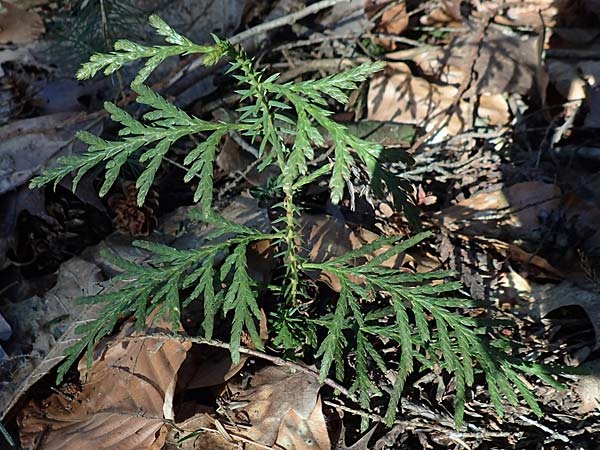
[517, 254]
[531, 13]
[19, 26]
[513, 211]
[394, 19]
[587, 388]
[505, 63]
[284, 404]
[493, 108]
[128, 394]
[403, 97]
[304, 433]
[448, 14]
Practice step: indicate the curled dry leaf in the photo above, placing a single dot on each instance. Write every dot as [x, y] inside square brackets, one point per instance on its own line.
[19, 26]
[123, 405]
[393, 19]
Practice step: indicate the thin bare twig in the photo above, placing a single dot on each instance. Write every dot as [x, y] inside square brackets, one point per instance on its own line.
[288, 19]
[247, 351]
[285, 20]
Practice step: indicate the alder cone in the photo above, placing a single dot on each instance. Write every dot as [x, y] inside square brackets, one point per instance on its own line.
[131, 218]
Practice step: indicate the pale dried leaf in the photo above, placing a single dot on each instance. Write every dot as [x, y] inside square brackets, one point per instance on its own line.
[304, 433]
[493, 108]
[402, 97]
[505, 63]
[274, 392]
[587, 388]
[19, 26]
[531, 13]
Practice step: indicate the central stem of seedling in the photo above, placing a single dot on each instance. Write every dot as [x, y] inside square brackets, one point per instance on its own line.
[291, 253]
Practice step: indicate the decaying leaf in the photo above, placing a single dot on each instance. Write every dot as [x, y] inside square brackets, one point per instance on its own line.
[193, 434]
[45, 326]
[19, 26]
[297, 432]
[326, 237]
[548, 298]
[127, 396]
[514, 211]
[403, 97]
[587, 388]
[284, 409]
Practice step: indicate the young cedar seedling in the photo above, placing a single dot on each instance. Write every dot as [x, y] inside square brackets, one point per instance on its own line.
[377, 308]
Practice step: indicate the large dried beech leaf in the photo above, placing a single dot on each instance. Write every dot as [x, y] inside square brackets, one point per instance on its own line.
[128, 393]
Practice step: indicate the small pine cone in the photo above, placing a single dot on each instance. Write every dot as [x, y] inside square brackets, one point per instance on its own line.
[129, 217]
[70, 389]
